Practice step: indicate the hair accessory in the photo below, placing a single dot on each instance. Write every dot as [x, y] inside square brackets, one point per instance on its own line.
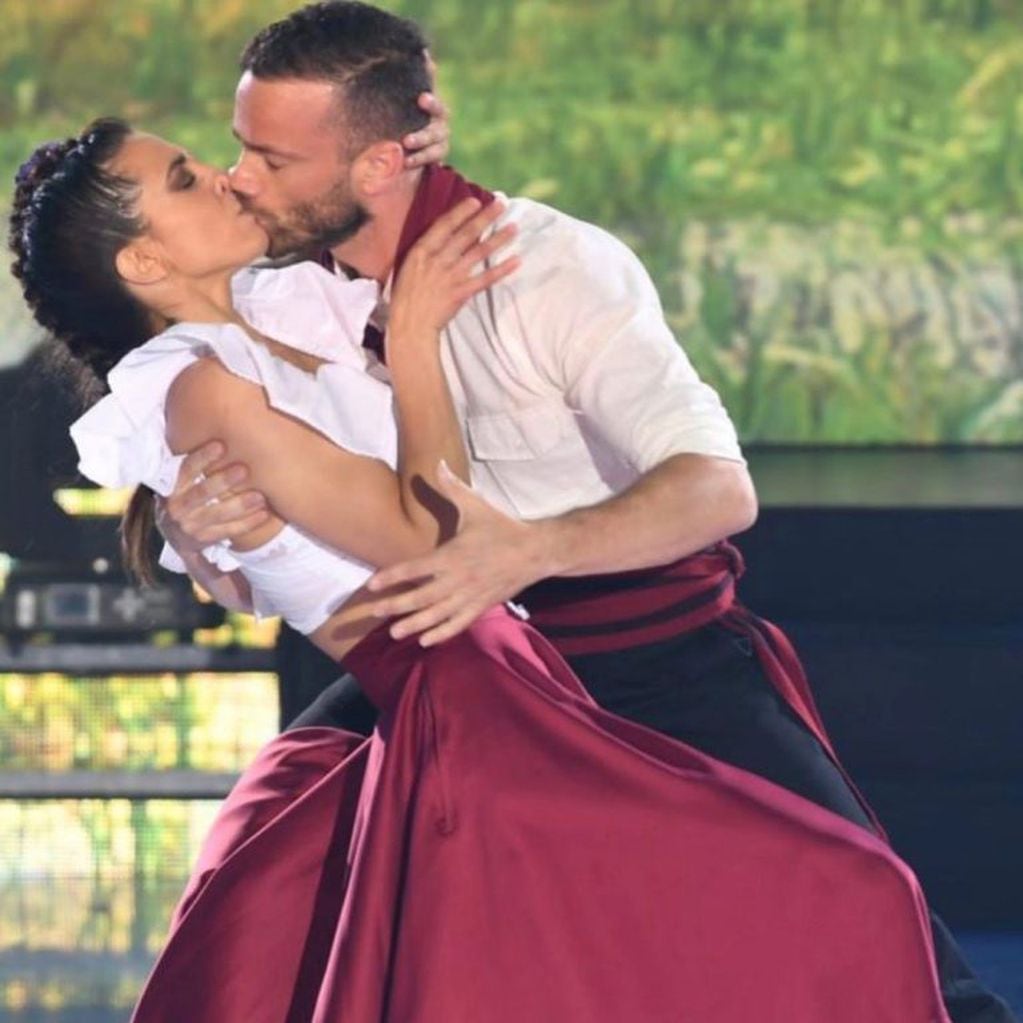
[44, 154]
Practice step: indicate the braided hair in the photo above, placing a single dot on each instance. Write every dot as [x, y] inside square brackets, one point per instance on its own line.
[69, 219]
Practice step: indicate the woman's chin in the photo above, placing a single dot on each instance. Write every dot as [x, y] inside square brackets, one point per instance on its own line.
[257, 246]
[261, 242]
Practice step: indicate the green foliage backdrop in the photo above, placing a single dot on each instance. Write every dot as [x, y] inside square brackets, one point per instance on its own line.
[827, 192]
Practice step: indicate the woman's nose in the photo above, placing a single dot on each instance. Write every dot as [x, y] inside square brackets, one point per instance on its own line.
[221, 183]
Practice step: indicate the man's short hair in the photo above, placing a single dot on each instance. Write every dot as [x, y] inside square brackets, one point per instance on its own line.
[376, 59]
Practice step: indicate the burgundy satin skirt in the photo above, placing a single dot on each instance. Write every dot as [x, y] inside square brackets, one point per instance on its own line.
[502, 850]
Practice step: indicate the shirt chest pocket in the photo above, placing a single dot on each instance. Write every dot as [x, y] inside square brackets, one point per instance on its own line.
[534, 455]
[520, 435]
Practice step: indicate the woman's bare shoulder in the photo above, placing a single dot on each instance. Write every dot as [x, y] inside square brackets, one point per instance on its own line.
[205, 400]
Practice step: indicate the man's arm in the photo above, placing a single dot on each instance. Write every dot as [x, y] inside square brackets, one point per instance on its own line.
[610, 352]
[598, 334]
[682, 506]
[676, 509]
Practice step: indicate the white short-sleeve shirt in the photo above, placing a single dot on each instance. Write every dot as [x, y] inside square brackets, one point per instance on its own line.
[567, 379]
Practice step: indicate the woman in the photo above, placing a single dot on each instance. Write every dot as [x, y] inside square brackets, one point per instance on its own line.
[500, 849]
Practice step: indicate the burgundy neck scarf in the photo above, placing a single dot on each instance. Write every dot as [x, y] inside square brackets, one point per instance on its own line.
[440, 189]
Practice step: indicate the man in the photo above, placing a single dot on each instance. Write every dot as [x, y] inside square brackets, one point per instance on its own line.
[606, 474]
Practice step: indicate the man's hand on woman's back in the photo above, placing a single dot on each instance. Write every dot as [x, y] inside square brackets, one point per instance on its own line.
[207, 504]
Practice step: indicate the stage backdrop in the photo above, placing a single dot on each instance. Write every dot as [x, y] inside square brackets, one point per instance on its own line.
[827, 192]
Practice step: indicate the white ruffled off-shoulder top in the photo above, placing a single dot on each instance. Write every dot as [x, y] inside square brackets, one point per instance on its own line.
[122, 440]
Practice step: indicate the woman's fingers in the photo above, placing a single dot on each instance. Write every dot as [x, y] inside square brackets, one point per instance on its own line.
[489, 277]
[431, 144]
[467, 247]
[468, 280]
[459, 228]
[454, 261]
[440, 231]
[484, 249]
[473, 227]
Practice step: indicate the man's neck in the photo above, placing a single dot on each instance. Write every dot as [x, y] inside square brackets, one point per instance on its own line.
[372, 252]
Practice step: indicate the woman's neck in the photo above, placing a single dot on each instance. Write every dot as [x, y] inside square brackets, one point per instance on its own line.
[209, 301]
[192, 301]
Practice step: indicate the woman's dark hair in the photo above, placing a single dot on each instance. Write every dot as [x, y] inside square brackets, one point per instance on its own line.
[69, 219]
[376, 59]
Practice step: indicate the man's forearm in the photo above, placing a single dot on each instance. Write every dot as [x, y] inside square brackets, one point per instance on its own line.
[682, 506]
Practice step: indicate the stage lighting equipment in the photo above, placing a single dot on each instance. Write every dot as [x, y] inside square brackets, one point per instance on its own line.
[98, 601]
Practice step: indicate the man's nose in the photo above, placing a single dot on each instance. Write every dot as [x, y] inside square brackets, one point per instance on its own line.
[241, 178]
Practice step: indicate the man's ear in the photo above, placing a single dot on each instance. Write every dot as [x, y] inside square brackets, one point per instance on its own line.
[378, 168]
[139, 262]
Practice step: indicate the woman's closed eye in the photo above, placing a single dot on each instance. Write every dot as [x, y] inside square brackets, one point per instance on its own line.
[179, 177]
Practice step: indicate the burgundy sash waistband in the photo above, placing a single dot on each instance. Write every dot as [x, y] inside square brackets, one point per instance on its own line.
[605, 613]
[602, 613]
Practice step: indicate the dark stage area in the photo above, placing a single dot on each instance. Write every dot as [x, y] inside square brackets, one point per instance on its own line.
[899, 576]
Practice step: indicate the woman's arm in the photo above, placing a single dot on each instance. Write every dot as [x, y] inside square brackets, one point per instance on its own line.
[434, 282]
[350, 501]
[355, 503]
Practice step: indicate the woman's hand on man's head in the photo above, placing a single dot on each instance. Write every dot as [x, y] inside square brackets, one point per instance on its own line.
[448, 265]
[432, 143]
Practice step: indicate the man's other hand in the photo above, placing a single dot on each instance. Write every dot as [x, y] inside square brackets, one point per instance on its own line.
[207, 504]
[491, 558]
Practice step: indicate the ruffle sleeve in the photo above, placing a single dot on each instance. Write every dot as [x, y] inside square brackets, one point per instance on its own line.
[121, 440]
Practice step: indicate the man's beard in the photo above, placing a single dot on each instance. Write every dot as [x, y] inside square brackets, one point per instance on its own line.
[314, 226]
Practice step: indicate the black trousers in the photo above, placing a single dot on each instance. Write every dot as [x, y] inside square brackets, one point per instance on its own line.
[707, 689]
